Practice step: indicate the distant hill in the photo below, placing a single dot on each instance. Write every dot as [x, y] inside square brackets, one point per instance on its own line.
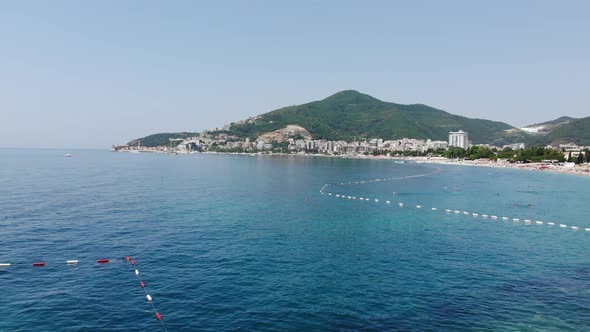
[160, 139]
[558, 121]
[577, 131]
[350, 114]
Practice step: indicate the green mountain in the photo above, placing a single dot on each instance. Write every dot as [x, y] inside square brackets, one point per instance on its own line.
[349, 114]
[160, 139]
[559, 121]
[577, 131]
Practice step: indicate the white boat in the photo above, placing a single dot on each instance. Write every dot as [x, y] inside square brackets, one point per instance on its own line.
[68, 155]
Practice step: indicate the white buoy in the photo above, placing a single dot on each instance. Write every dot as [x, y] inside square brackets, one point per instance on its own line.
[329, 194]
[575, 228]
[515, 219]
[457, 211]
[401, 204]
[448, 211]
[562, 225]
[73, 261]
[504, 218]
[433, 209]
[484, 216]
[337, 195]
[551, 223]
[353, 197]
[387, 202]
[475, 214]
[494, 217]
[362, 199]
[418, 207]
[538, 222]
[465, 212]
[149, 297]
[4, 264]
[527, 222]
[376, 200]
[136, 272]
[588, 229]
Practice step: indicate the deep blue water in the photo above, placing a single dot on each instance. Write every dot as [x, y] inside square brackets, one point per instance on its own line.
[229, 243]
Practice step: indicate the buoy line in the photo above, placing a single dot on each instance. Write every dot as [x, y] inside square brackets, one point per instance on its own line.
[126, 259]
[526, 221]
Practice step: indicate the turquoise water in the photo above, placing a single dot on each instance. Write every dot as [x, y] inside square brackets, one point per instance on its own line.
[248, 243]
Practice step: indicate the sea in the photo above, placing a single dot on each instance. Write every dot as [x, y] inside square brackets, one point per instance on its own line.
[249, 243]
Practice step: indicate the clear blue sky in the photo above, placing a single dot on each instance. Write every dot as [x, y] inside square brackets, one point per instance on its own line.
[82, 74]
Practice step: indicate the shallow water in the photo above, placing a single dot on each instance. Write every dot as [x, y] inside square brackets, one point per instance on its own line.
[249, 243]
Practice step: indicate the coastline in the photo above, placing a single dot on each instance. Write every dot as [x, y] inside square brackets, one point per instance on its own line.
[583, 170]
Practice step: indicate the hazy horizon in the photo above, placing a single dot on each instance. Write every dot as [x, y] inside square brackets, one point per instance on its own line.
[89, 75]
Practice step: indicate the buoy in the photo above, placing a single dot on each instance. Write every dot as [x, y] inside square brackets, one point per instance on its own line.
[587, 230]
[401, 204]
[127, 259]
[562, 225]
[515, 219]
[527, 222]
[433, 209]
[387, 202]
[142, 284]
[504, 218]
[494, 217]
[475, 214]
[538, 222]
[484, 216]
[362, 199]
[376, 200]
[337, 195]
[101, 261]
[73, 261]
[575, 228]
[448, 211]
[329, 194]
[551, 223]
[136, 272]
[353, 197]
[418, 207]
[132, 262]
[149, 297]
[39, 264]
[158, 316]
[457, 211]
[4, 264]
[465, 212]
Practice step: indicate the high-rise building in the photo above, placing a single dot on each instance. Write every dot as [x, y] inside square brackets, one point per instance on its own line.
[459, 138]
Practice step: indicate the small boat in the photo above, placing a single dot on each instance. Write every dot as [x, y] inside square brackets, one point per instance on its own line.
[68, 155]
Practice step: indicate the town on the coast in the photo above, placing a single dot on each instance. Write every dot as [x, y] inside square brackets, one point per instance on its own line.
[297, 140]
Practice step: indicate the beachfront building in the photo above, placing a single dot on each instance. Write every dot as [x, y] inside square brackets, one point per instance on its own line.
[459, 138]
[515, 146]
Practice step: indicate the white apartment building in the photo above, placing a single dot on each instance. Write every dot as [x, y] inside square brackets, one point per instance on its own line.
[459, 138]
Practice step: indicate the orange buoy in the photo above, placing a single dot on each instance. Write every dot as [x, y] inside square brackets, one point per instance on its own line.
[104, 260]
[39, 264]
[158, 316]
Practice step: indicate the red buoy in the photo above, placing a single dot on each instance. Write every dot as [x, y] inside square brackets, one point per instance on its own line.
[132, 262]
[127, 259]
[158, 316]
[142, 284]
[39, 264]
[104, 260]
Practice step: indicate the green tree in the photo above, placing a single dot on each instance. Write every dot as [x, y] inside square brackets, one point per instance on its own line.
[580, 159]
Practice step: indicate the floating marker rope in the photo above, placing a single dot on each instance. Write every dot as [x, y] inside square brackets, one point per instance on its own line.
[126, 259]
[437, 170]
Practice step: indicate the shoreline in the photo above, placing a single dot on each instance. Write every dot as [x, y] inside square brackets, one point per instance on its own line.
[583, 170]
